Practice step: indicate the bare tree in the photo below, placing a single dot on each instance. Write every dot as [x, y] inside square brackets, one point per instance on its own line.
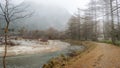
[82, 27]
[78, 16]
[71, 27]
[118, 21]
[10, 12]
[93, 13]
[112, 22]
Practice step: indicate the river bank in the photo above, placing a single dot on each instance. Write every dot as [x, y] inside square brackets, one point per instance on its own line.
[63, 60]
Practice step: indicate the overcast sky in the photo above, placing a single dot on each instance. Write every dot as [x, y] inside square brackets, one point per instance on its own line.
[70, 5]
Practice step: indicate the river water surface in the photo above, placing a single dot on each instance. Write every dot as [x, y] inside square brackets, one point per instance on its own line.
[36, 60]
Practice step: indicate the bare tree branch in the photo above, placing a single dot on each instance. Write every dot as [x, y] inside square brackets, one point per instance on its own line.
[2, 9]
[21, 17]
[16, 8]
[16, 12]
[1, 15]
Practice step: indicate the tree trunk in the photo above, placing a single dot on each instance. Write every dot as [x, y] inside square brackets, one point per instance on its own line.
[6, 43]
[112, 23]
[118, 21]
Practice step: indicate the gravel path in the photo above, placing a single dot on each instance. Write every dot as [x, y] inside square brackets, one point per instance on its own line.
[103, 56]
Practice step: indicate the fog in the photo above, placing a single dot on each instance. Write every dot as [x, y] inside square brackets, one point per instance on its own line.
[49, 13]
[70, 5]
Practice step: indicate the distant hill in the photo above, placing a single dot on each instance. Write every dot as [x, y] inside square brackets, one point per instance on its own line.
[46, 16]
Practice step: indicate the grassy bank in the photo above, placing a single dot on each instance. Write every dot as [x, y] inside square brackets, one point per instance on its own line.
[62, 61]
[110, 42]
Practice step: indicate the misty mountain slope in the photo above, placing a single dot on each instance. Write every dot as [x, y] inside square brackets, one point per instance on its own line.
[46, 16]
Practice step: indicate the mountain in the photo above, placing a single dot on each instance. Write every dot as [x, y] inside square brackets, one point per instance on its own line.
[46, 16]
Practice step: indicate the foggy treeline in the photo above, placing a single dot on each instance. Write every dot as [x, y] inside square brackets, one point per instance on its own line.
[50, 33]
[99, 21]
[111, 26]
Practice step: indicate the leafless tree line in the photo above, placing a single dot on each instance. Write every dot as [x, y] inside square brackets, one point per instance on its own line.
[88, 26]
[50, 33]
[84, 27]
[111, 21]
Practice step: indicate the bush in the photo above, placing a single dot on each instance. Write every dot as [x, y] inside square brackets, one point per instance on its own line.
[73, 53]
[110, 42]
[117, 43]
[58, 62]
[106, 41]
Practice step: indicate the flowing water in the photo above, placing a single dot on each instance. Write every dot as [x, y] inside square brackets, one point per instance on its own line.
[36, 60]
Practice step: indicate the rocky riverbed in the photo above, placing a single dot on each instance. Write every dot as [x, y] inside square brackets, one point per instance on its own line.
[33, 47]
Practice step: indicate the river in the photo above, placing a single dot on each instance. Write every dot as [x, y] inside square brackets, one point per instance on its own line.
[36, 60]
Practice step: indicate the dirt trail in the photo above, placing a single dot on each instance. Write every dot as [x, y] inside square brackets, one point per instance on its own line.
[103, 56]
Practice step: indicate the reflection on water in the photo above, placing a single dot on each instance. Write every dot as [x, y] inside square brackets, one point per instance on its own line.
[36, 60]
